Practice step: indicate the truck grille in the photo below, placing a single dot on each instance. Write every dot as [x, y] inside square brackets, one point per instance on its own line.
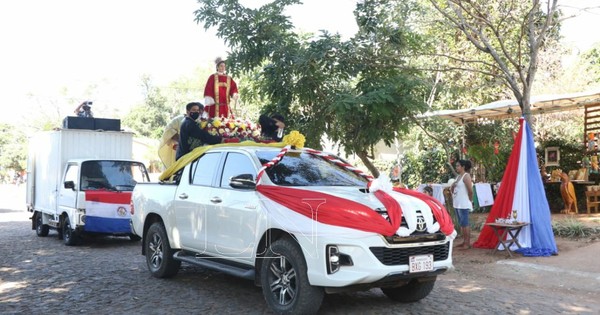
[399, 256]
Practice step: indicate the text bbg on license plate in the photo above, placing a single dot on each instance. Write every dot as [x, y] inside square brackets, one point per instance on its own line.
[420, 263]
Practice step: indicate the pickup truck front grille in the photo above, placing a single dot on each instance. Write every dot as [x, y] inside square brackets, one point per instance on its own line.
[399, 256]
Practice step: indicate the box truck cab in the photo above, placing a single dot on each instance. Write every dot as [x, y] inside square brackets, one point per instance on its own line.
[80, 182]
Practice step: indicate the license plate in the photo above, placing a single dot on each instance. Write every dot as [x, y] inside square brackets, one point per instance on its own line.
[420, 263]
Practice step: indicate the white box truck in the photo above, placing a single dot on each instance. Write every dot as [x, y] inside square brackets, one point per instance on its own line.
[80, 182]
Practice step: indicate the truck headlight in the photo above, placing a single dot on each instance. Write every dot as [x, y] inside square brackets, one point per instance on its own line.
[335, 259]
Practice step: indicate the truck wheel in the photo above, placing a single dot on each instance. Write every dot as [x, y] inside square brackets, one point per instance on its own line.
[284, 280]
[413, 291]
[40, 228]
[159, 255]
[134, 237]
[70, 237]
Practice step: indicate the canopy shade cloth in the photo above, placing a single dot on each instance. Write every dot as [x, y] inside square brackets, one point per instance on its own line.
[510, 108]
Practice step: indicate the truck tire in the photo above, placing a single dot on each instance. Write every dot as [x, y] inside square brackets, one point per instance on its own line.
[159, 255]
[40, 228]
[284, 280]
[413, 291]
[70, 237]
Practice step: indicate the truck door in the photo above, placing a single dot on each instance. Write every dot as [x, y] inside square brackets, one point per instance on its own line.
[232, 230]
[67, 197]
[192, 201]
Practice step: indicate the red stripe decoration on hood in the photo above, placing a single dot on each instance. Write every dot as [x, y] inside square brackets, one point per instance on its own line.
[335, 210]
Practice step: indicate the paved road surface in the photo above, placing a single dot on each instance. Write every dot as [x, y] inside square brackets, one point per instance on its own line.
[109, 276]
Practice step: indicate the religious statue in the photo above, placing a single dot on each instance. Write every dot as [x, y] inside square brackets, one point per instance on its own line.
[567, 191]
[220, 92]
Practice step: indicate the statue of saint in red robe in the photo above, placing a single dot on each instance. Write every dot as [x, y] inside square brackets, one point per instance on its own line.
[220, 93]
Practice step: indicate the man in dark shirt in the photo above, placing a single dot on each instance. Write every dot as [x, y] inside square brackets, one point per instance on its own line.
[272, 127]
[190, 133]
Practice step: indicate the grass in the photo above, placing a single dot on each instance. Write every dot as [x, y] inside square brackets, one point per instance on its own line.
[571, 228]
[567, 228]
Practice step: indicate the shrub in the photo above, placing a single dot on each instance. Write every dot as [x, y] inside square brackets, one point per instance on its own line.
[572, 228]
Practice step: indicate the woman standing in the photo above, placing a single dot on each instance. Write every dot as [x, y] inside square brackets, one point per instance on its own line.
[462, 193]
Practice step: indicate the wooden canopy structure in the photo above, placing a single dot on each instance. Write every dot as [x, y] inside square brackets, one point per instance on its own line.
[539, 105]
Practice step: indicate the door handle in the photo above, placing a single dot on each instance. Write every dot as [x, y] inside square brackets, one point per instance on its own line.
[183, 196]
[216, 200]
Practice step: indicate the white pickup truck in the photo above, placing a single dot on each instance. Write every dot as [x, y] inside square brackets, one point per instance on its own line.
[308, 226]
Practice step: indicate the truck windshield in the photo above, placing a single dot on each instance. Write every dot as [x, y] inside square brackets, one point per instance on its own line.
[112, 175]
[303, 169]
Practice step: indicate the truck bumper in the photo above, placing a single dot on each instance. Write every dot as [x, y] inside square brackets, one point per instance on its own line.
[371, 263]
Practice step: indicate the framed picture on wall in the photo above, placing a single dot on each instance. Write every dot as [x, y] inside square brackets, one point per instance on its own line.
[552, 156]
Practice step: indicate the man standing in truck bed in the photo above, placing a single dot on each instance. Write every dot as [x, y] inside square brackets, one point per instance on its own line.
[191, 135]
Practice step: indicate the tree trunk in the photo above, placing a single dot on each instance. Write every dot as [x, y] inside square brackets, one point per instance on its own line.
[364, 157]
[526, 107]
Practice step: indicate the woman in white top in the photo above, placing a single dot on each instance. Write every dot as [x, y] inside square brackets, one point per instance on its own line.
[462, 197]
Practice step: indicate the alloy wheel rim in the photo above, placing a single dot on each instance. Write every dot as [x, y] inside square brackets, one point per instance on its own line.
[283, 282]
[155, 246]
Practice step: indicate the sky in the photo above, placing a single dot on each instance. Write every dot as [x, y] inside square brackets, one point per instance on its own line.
[63, 47]
[71, 47]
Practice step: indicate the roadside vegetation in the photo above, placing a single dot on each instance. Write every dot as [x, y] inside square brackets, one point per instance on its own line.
[570, 228]
[574, 229]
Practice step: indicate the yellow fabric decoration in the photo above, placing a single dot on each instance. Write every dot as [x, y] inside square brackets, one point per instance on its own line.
[197, 152]
[295, 139]
[170, 137]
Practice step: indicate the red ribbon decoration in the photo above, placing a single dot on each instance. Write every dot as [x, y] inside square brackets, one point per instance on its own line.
[332, 210]
[335, 210]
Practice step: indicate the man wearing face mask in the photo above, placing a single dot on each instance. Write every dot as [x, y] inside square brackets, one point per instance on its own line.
[191, 135]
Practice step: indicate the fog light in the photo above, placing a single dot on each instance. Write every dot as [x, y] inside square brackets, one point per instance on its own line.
[333, 259]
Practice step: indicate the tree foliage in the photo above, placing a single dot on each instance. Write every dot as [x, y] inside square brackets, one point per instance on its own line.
[150, 118]
[505, 51]
[357, 91]
[13, 149]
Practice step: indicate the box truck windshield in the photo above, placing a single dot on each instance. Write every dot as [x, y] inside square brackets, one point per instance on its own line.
[112, 175]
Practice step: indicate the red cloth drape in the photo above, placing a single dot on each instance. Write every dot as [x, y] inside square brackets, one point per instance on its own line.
[439, 211]
[337, 211]
[504, 200]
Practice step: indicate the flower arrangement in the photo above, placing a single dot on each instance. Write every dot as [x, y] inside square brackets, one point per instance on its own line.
[245, 130]
[294, 139]
[232, 128]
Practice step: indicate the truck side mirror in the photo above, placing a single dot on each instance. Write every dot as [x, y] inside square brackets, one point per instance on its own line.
[243, 181]
[70, 184]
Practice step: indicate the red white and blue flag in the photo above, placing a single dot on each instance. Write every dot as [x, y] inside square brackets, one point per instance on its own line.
[106, 212]
[522, 190]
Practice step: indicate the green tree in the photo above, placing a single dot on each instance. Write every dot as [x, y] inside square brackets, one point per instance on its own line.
[505, 52]
[357, 91]
[149, 118]
[13, 149]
